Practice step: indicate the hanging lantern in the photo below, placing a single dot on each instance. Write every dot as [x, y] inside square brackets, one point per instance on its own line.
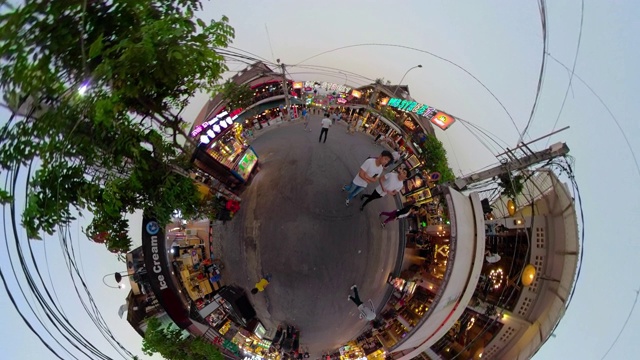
[511, 207]
[528, 275]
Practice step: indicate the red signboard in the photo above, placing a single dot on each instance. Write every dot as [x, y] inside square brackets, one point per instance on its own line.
[442, 120]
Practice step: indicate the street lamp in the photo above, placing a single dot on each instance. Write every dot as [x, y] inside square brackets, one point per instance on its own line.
[118, 278]
[405, 74]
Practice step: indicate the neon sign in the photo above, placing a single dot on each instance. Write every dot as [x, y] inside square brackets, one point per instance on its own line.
[327, 86]
[216, 119]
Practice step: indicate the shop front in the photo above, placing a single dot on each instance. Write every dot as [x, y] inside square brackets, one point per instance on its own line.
[222, 141]
[158, 272]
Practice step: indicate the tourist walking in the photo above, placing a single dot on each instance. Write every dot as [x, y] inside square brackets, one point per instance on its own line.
[305, 117]
[262, 284]
[368, 172]
[359, 124]
[366, 312]
[398, 214]
[326, 124]
[391, 183]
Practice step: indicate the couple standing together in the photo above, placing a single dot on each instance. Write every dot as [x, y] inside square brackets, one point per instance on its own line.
[370, 172]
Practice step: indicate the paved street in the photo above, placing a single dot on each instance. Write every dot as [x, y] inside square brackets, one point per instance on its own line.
[294, 224]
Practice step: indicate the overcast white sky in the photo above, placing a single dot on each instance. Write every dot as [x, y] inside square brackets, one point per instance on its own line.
[500, 43]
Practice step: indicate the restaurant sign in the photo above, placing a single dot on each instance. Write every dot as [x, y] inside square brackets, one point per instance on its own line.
[222, 119]
[442, 120]
[437, 118]
[411, 106]
[157, 266]
[327, 86]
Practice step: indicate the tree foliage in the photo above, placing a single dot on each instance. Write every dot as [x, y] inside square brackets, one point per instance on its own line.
[96, 89]
[171, 344]
[436, 158]
[511, 185]
[238, 96]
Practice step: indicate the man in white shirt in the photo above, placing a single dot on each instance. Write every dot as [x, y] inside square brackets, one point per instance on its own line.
[368, 172]
[326, 124]
[366, 312]
[390, 184]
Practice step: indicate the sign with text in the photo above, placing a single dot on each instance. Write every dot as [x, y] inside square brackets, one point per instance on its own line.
[411, 106]
[327, 86]
[156, 263]
[222, 119]
[442, 120]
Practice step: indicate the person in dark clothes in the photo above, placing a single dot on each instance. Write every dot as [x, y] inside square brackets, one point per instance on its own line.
[398, 214]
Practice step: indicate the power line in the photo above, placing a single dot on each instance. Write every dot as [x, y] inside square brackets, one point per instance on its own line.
[426, 52]
[545, 41]
[615, 119]
[573, 68]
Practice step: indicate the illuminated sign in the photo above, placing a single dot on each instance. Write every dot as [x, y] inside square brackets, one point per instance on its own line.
[341, 101]
[224, 119]
[327, 86]
[356, 94]
[442, 120]
[297, 85]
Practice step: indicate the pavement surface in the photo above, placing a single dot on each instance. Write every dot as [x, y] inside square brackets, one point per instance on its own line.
[294, 225]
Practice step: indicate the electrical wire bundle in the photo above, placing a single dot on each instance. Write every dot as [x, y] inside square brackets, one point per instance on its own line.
[35, 298]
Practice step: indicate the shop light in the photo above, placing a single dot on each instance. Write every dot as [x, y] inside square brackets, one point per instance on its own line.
[204, 139]
[216, 128]
[223, 124]
[231, 119]
[211, 134]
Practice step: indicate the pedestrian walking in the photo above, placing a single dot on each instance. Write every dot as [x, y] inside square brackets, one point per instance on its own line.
[390, 183]
[368, 172]
[359, 124]
[305, 117]
[326, 124]
[262, 284]
[366, 312]
[398, 214]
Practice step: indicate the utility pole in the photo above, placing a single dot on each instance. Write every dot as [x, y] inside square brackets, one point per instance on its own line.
[285, 87]
[514, 162]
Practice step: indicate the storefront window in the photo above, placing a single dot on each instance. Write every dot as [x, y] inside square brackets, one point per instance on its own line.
[227, 148]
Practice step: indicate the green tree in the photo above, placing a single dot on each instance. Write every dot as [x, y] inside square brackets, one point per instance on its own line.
[172, 344]
[238, 96]
[511, 185]
[96, 89]
[436, 158]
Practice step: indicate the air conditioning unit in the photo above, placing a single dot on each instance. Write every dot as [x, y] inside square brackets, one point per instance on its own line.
[192, 232]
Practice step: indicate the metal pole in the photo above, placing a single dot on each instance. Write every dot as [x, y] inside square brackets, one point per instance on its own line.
[285, 87]
[403, 76]
[540, 138]
[104, 282]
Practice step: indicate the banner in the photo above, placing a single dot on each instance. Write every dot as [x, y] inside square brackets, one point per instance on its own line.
[158, 268]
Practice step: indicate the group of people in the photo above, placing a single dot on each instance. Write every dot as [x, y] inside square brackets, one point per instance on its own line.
[388, 184]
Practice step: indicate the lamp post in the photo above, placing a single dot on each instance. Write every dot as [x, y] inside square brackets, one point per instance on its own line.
[403, 76]
[118, 278]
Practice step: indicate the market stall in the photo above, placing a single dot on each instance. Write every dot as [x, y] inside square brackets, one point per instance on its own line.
[224, 141]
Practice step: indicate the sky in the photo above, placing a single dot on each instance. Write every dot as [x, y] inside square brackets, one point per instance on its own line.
[500, 43]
